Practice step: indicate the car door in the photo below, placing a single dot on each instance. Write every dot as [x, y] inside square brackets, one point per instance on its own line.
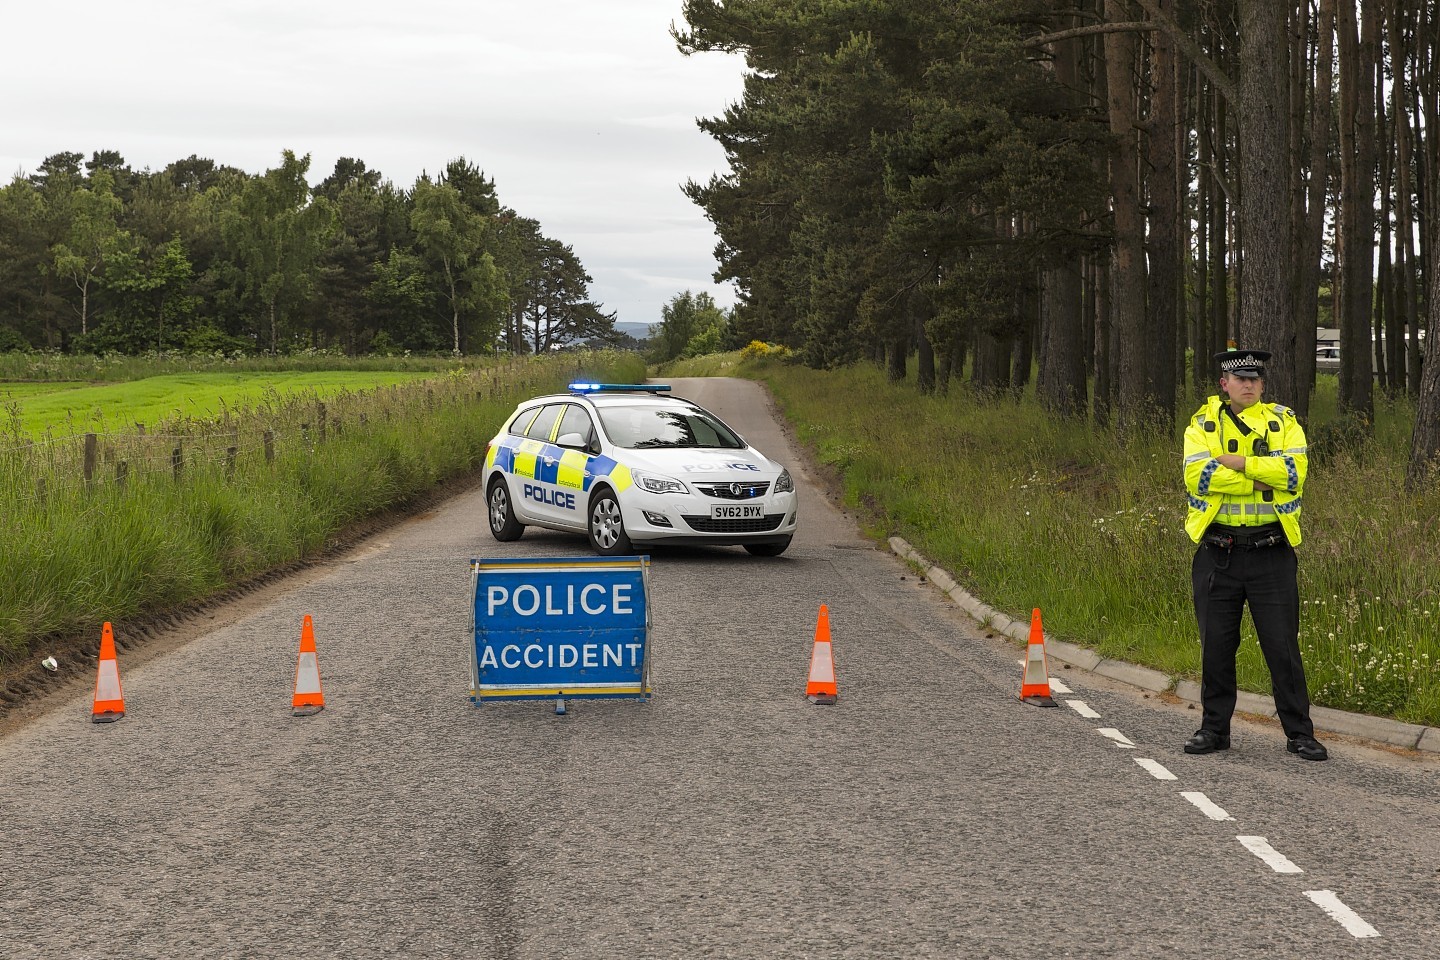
[575, 442]
[537, 462]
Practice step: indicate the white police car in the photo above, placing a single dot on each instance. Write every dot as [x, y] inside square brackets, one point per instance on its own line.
[628, 466]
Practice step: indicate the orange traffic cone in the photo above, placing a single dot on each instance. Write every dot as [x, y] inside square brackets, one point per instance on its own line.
[821, 688]
[109, 701]
[1035, 683]
[308, 699]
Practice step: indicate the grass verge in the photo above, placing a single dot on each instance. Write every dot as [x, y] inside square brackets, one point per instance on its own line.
[181, 513]
[1028, 511]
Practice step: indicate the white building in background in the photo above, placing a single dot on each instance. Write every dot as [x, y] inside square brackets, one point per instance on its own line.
[1327, 349]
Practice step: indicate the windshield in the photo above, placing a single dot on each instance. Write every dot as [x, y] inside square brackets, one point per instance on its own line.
[650, 427]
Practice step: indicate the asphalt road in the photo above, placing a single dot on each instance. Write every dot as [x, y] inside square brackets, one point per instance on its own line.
[927, 814]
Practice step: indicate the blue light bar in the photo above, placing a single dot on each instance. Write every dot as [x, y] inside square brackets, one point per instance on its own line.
[619, 387]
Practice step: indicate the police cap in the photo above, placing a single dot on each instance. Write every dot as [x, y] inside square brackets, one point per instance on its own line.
[1249, 364]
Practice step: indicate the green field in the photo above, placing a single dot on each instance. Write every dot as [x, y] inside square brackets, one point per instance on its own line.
[10, 392]
[65, 408]
[224, 493]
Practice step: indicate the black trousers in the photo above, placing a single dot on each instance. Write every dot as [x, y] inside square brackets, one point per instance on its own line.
[1224, 581]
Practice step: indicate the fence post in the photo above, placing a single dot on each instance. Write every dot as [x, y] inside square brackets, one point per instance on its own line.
[122, 471]
[177, 463]
[89, 466]
[40, 490]
[269, 438]
[229, 463]
[320, 421]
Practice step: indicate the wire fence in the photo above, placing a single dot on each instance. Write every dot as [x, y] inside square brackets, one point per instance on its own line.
[35, 473]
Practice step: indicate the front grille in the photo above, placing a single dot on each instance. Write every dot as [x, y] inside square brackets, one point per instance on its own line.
[741, 491]
[711, 525]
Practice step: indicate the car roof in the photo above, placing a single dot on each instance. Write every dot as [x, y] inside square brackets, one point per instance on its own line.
[598, 400]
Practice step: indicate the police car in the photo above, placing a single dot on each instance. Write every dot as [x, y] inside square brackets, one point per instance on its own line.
[627, 465]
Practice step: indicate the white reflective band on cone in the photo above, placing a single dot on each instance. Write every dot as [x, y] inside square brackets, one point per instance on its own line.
[107, 686]
[1035, 665]
[307, 675]
[824, 669]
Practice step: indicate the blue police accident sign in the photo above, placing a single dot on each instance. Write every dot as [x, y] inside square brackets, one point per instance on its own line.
[568, 628]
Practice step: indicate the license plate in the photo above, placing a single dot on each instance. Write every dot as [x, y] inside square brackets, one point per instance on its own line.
[739, 511]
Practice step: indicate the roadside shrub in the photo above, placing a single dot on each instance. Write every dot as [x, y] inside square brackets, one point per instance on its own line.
[1348, 434]
[759, 350]
[10, 341]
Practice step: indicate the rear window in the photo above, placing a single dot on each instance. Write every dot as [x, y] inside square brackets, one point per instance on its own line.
[522, 420]
[542, 426]
[639, 428]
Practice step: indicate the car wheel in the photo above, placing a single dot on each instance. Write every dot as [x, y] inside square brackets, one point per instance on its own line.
[503, 525]
[607, 527]
[767, 549]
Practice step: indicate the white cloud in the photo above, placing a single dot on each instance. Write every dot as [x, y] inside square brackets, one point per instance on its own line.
[583, 112]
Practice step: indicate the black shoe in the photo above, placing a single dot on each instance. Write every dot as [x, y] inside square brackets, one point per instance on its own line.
[1208, 741]
[1308, 748]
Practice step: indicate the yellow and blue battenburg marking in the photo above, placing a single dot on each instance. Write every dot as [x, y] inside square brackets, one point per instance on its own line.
[553, 464]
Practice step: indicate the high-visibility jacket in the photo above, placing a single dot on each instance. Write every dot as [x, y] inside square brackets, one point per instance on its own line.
[1219, 494]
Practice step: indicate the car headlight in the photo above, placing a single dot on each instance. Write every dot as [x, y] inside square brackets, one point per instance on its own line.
[784, 484]
[654, 483]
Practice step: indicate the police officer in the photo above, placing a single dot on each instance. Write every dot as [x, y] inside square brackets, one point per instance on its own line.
[1245, 468]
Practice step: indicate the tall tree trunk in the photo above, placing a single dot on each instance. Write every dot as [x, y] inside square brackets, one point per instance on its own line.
[1425, 97]
[1137, 412]
[1104, 381]
[1425, 440]
[942, 369]
[1163, 285]
[1060, 381]
[1357, 209]
[1407, 316]
[1220, 326]
[1267, 318]
[1062, 359]
[896, 351]
[925, 360]
[1022, 356]
[990, 372]
[1307, 295]
[1382, 311]
[1201, 338]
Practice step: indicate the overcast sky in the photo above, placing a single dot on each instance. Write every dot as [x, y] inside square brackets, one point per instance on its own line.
[582, 111]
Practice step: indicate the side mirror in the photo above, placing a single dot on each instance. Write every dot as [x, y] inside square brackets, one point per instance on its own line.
[572, 441]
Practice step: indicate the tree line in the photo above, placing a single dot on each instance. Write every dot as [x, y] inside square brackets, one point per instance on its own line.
[1107, 191]
[96, 256]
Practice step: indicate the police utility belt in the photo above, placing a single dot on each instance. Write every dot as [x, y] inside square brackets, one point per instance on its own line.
[1244, 538]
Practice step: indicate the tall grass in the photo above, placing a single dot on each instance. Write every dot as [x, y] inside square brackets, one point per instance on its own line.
[135, 538]
[1029, 511]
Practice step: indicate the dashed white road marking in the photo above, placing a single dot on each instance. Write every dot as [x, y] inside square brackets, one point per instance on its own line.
[1262, 849]
[1155, 768]
[1059, 687]
[1082, 708]
[1120, 739]
[1347, 918]
[1208, 807]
